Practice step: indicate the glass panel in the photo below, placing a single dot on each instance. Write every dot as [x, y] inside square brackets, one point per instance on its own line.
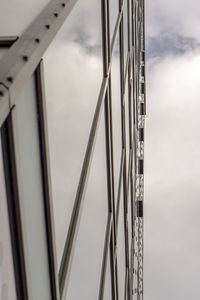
[15, 16]
[114, 11]
[131, 21]
[87, 262]
[116, 113]
[121, 251]
[73, 75]
[135, 281]
[32, 190]
[127, 123]
[125, 23]
[7, 280]
[129, 223]
[108, 282]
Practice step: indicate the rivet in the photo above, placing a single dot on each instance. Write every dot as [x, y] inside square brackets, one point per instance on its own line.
[1, 93]
[56, 15]
[47, 26]
[10, 79]
[25, 57]
[63, 4]
[37, 40]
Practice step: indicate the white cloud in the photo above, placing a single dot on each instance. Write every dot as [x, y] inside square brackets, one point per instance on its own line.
[173, 16]
[73, 79]
[172, 171]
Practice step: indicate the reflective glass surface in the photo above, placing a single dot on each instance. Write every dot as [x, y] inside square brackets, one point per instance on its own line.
[121, 251]
[135, 282]
[131, 18]
[114, 11]
[73, 75]
[108, 282]
[126, 104]
[7, 280]
[116, 113]
[16, 16]
[88, 254]
[32, 190]
[125, 24]
[129, 222]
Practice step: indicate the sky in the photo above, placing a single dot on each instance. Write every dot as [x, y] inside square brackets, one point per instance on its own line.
[172, 151]
[172, 139]
[172, 144]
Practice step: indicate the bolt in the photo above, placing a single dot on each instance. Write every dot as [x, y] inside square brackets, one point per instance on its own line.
[47, 26]
[56, 15]
[25, 57]
[63, 4]
[37, 40]
[10, 79]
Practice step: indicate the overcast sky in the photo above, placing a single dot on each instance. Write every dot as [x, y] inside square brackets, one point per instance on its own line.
[172, 245]
[172, 148]
[172, 140]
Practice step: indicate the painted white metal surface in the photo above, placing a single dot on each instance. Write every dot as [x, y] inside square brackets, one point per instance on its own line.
[7, 280]
[32, 191]
[17, 15]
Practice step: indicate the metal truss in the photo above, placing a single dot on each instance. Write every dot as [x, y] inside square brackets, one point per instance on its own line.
[21, 61]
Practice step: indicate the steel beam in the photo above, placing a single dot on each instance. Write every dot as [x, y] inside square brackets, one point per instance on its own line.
[23, 57]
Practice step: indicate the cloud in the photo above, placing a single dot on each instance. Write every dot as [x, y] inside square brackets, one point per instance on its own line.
[170, 44]
[73, 78]
[173, 17]
[171, 153]
[73, 75]
[83, 25]
[171, 178]
[86, 266]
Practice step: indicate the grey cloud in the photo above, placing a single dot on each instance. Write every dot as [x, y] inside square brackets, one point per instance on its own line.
[171, 154]
[83, 26]
[70, 110]
[170, 44]
[172, 243]
[178, 16]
